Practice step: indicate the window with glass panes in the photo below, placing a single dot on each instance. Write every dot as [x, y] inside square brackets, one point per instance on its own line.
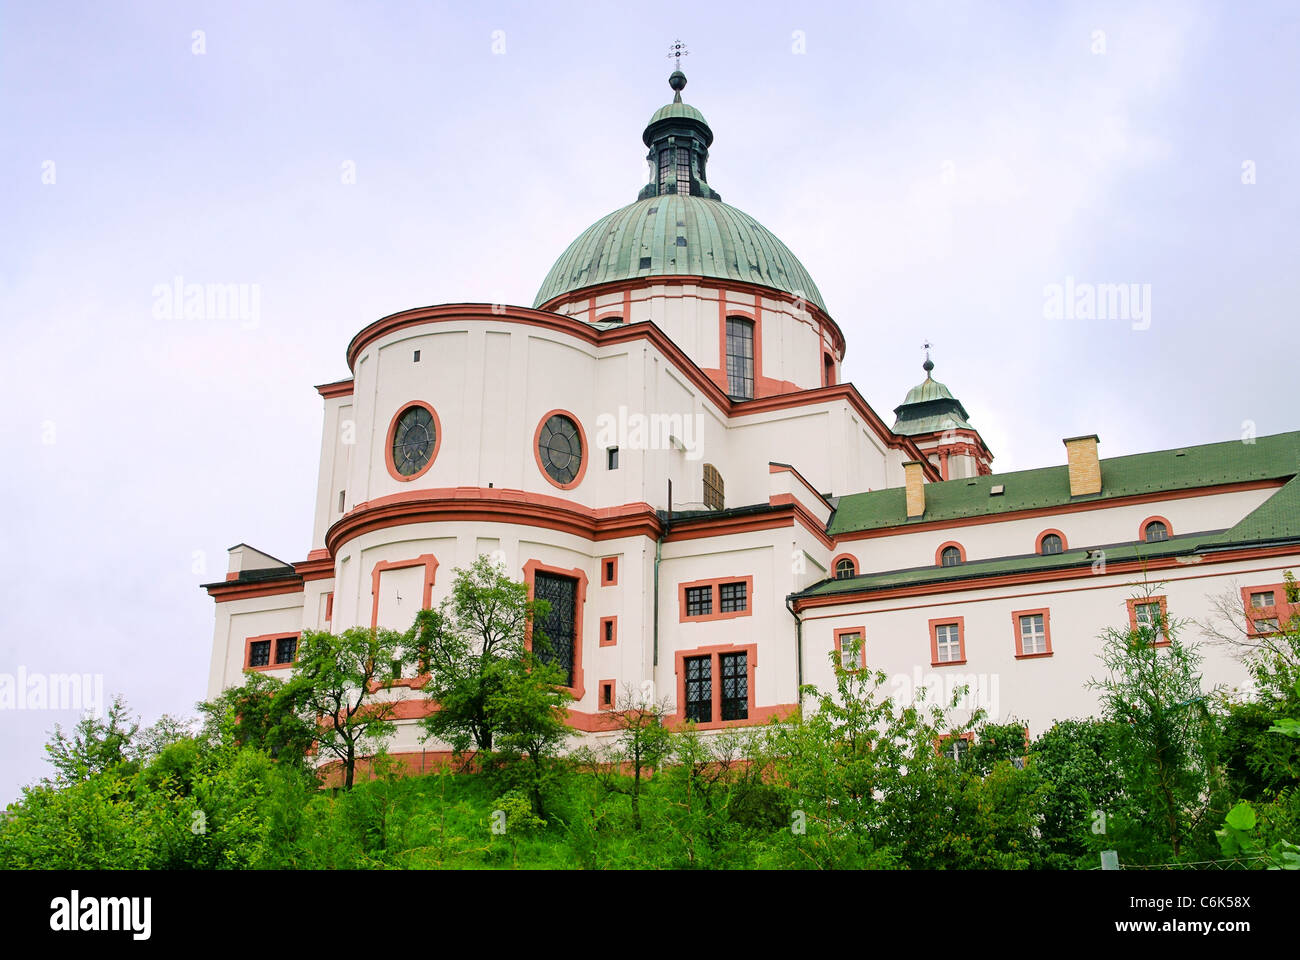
[850, 650]
[844, 569]
[1265, 598]
[683, 171]
[732, 597]
[950, 557]
[740, 358]
[735, 685]
[699, 688]
[285, 648]
[1156, 531]
[259, 653]
[699, 601]
[558, 627]
[947, 643]
[1033, 633]
[1051, 544]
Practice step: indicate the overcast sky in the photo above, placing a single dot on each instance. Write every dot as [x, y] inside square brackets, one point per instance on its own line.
[935, 167]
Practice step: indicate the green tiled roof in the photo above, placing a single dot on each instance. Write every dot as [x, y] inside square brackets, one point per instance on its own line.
[1268, 458]
[1002, 565]
[678, 235]
[1277, 518]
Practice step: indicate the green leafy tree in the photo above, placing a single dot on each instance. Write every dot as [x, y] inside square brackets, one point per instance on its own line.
[528, 707]
[96, 744]
[334, 685]
[474, 649]
[261, 713]
[1167, 736]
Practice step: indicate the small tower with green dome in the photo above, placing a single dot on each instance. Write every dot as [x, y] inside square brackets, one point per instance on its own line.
[939, 424]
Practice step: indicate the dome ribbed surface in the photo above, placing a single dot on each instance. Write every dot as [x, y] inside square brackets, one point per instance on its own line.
[678, 236]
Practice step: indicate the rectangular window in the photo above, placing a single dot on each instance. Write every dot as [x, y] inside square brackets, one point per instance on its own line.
[699, 601]
[1264, 598]
[416, 358]
[946, 642]
[740, 358]
[342, 493]
[683, 171]
[1148, 616]
[699, 688]
[608, 631]
[606, 694]
[259, 653]
[850, 646]
[1033, 634]
[732, 596]
[609, 572]
[285, 648]
[1266, 625]
[735, 685]
[611, 458]
[665, 168]
[553, 635]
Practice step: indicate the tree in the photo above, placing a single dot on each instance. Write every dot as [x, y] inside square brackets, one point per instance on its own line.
[474, 648]
[1167, 736]
[95, 744]
[333, 686]
[642, 744]
[528, 708]
[260, 713]
[866, 780]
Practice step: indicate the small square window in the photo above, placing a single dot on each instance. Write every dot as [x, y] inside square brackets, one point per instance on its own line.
[732, 597]
[611, 458]
[1266, 625]
[285, 648]
[1263, 599]
[699, 601]
[607, 693]
[259, 653]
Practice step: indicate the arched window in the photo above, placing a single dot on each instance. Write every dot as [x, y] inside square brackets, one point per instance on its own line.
[1155, 531]
[713, 490]
[950, 556]
[1052, 543]
[845, 568]
[740, 358]
[828, 370]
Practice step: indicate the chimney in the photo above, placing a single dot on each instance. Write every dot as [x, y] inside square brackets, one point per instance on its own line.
[1085, 468]
[914, 480]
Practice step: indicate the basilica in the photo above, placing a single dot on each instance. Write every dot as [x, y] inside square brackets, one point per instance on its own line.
[662, 446]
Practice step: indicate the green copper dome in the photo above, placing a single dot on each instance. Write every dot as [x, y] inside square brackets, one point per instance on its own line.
[678, 235]
[677, 111]
[679, 225]
[930, 407]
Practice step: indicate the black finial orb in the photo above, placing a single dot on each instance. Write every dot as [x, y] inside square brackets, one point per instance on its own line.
[677, 81]
[927, 366]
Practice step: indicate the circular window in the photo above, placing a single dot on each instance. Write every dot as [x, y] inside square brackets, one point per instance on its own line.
[559, 450]
[414, 441]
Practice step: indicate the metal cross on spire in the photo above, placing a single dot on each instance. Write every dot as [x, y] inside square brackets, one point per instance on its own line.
[677, 81]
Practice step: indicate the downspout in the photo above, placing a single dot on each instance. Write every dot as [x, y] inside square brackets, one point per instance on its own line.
[798, 651]
[659, 545]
